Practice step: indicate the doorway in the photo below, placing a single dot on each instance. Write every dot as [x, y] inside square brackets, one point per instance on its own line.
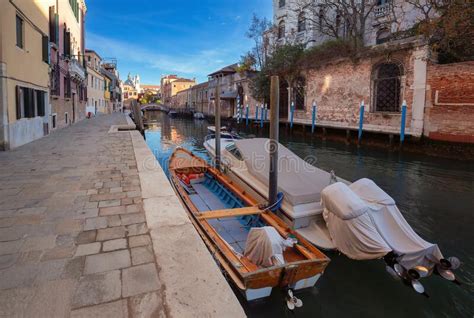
[283, 99]
[73, 108]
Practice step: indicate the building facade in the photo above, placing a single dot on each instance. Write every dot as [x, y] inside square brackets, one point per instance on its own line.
[131, 90]
[312, 22]
[389, 71]
[233, 86]
[172, 85]
[68, 66]
[95, 84]
[24, 72]
[110, 71]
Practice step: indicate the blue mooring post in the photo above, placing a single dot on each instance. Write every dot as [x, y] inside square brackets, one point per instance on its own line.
[403, 123]
[261, 117]
[361, 119]
[292, 110]
[256, 112]
[313, 120]
[247, 115]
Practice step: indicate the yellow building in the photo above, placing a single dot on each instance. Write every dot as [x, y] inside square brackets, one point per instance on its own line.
[95, 83]
[24, 59]
[107, 107]
[172, 85]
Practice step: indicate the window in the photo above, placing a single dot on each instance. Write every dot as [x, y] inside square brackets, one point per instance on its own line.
[232, 148]
[299, 92]
[40, 103]
[301, 22]
[19, 32]
[67, 42]
[281, 3]
[383, 36]
[65, 118]
[387, 87]
[54, 116]
[321, 18]
[29, 102]
[281, 30]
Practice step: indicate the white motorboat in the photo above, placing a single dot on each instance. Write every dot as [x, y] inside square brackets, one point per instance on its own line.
[359, 219]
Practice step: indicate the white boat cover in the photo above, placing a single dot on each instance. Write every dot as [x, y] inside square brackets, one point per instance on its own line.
[265, 246]
[365, 223]
[299, 181]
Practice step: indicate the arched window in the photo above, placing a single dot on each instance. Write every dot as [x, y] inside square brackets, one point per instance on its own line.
[321, 17]
[383, 35]
[299, 92]
[281, 3]
[387, 82]
[281, 30]
[301, 22]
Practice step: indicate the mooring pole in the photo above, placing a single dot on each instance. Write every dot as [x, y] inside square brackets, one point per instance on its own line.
[273, 146]
[292, 111]
[403, 123]
[256, 112]
[361, 120]
[218, 124]
[239, 112]
[247, 115]
[313, 119]
[261, 116]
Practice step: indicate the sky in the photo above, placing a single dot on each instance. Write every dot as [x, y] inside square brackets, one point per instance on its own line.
[190, 38]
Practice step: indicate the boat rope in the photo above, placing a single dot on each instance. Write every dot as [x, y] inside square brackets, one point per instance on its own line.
[277, 205]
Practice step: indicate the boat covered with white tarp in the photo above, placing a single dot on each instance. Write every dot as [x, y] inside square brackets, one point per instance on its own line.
[360, 219]
[365, 223]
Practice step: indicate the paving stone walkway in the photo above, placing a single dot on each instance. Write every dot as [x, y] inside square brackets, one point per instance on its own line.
[73, 236]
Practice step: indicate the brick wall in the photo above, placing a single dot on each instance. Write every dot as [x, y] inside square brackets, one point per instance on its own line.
[449, 113]
[339, 87]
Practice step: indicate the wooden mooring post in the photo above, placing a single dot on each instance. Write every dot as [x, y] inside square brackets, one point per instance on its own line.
[274, 136]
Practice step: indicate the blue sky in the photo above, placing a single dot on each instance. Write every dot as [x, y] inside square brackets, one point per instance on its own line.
[190, 38]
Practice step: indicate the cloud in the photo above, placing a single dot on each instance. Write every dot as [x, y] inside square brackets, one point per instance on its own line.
[197, 64]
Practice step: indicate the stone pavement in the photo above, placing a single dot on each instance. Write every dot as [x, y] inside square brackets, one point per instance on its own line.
[73, 234]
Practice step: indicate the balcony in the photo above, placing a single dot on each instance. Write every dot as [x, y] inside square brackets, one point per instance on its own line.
[76, 70]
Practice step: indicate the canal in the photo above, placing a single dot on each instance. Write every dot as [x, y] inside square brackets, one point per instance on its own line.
[435, 195]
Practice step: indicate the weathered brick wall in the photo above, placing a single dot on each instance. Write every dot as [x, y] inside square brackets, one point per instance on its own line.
[339, 87]
[450, 117]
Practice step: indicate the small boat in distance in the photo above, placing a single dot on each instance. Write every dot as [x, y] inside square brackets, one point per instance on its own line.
[173, 113]
[256, 249]
[199, 116]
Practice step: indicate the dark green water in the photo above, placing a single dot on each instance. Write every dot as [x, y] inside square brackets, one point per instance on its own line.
[435, 195]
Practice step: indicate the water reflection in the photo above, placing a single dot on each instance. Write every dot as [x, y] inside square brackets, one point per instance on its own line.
[435, 196]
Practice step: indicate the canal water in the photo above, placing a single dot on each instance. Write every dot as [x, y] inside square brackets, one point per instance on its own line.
[436, 196]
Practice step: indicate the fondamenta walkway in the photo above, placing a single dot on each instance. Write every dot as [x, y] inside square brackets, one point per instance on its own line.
[74, 240]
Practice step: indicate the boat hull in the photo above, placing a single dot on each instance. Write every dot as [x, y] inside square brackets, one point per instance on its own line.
[256, 283]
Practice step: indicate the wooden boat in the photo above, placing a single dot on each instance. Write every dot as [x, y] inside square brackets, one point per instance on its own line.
[222, 213]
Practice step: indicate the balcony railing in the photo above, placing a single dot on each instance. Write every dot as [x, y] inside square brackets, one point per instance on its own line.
[76, 70]
[382, 10]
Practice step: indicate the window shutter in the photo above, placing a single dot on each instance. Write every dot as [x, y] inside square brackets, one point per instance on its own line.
[67, 50]
[56, 28]
[45, 49]
[52, 24]
[18, 102]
